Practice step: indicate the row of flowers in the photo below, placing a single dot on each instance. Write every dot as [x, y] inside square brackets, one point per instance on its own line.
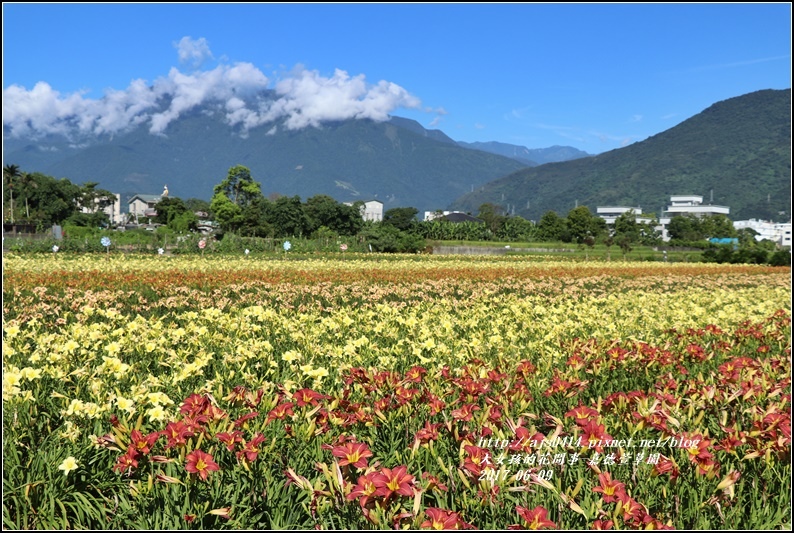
[473, 402]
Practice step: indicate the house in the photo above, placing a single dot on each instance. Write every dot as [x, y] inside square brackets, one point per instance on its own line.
[143, 205]
[113, 211]
[371, 210]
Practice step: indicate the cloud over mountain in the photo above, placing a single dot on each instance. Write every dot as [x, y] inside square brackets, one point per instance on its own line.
[303, 98]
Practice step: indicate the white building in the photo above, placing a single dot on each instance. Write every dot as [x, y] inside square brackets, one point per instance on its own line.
[779, 233]
[371, 210]
[610, 214]
[113, 211]
[679, 205]
[693, 205]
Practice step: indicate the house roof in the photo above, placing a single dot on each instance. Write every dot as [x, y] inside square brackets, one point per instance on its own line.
[460, 217]
[148, 198]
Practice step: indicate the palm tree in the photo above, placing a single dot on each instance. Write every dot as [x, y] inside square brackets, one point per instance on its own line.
[10, 173]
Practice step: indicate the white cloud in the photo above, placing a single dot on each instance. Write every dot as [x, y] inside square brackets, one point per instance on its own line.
[308, 99]
[303, 98]
[193, 52]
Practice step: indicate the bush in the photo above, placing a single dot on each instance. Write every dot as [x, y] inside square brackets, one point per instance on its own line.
[781, 258]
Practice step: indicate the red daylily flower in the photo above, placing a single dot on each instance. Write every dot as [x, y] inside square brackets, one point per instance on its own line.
[525, 368]
[194, 404]
[632, 510]
[229, 439]
[476, 460]
[593, 434]
[465, 412]
[383, 404]
[582, 414]
[558, 385]
[394, 481]
[280, 412]
[304, 397]
[601, 525]
[433, 482]
[436, 405]
[176, 433]
[127, 462]
[610, 489]
[443, 519]
[415, 374]
[240, 422]
[352, 453]
[536, 518]
[405, 395]
[364, 490]
[143, 444]
[251, 448]
[201, 463]
[665, 466]
[427, 433]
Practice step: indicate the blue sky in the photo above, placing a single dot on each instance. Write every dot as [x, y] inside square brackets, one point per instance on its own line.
[593, 76]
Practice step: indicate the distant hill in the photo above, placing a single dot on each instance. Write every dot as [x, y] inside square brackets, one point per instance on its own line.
[739, 150]
[397, 162]
[529, 156]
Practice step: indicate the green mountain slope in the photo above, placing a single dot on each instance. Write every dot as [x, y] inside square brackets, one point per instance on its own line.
[738, 148]
[400, 165]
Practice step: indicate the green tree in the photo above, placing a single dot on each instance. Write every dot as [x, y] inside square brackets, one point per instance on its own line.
[196, 204]
[717, 226]
[387, 238]
[227, 214]
[493, 217]
[236, 192]
[581, 223]
[173, 212]
[551, 227]
[239, 186]
[517, 229]
[323, 211]
[685, 228]
[11, 174]
[287, 217]
[402, 218]
[626, 226]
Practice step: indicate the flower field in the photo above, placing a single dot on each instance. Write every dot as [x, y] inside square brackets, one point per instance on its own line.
[371, 391]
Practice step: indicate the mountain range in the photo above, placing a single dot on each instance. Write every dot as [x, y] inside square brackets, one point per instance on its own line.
[397, 162]
[738, 151]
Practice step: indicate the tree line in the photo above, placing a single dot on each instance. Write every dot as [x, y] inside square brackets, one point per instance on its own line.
[40, 200]
[239, 207]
